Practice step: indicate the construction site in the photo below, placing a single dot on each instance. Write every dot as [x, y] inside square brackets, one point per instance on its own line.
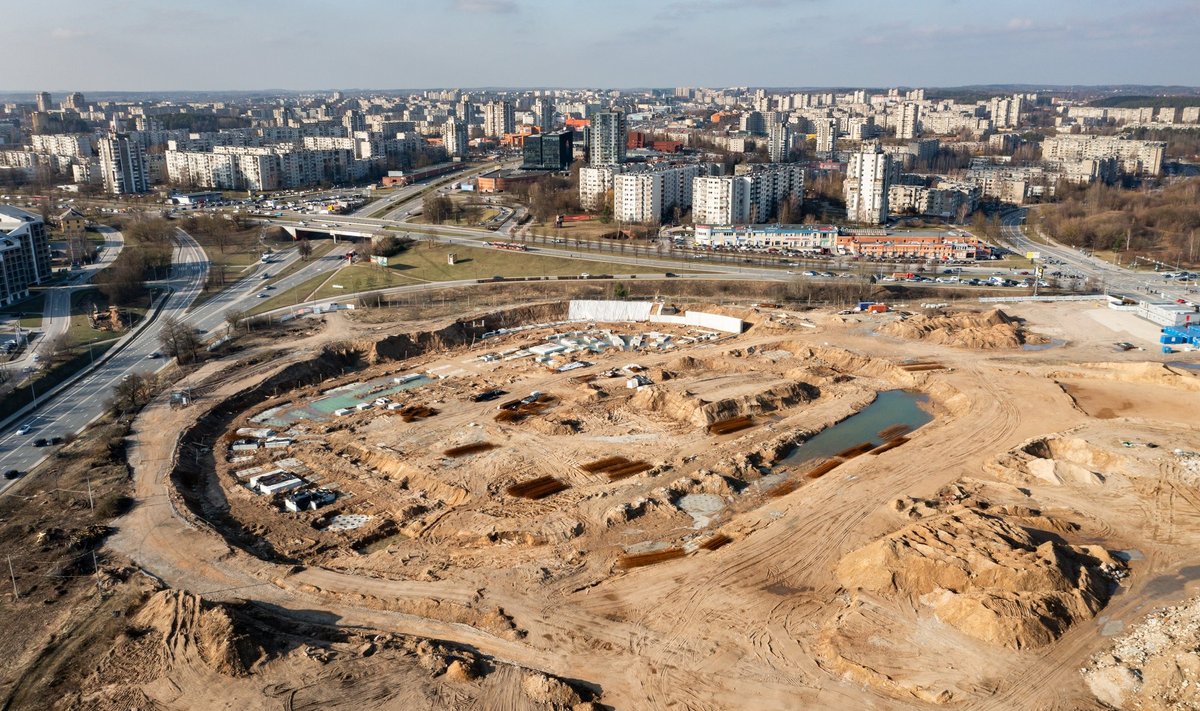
[606, 504]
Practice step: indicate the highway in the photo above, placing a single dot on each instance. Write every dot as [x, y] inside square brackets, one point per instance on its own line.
[83, 402]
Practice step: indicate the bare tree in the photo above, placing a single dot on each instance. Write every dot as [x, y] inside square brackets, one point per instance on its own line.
[179, 340]
[234, 319]
[132, 393]
[305, 250]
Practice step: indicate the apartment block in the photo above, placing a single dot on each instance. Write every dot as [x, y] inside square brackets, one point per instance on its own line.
[24, 253]
[652, 194]
[749, 197]
[1136, 157]
[123, 163]
[868, 177]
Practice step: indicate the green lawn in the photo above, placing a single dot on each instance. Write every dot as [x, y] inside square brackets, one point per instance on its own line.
[427, 263]
[80, 333]
[30, 309]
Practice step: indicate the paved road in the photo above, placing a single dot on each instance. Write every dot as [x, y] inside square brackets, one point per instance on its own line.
[85, 401]
[1109, 277]
[56, 309]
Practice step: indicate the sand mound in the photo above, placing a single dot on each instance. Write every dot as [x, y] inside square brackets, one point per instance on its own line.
[1155, 667]
[192, 628]
[686, 407]
[1147, 372]
[985, 576]
[991, 330]
[542, 689]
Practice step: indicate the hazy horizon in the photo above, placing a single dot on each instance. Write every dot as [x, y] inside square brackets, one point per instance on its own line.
[305, 45]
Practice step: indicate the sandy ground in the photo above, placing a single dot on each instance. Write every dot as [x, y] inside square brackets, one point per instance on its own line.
[765, 621]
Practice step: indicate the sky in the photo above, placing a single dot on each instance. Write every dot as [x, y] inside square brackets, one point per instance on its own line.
[174, 45]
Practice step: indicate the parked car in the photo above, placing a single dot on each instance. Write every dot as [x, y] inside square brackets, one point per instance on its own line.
[41, 442]
[12, 474]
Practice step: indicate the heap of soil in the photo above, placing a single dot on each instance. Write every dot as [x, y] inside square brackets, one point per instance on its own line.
[1155, 667]
[192, 628]
[991, 330]
[986, 576]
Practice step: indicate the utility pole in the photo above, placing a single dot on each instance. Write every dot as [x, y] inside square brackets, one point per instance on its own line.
[13, 577]
[96, 568]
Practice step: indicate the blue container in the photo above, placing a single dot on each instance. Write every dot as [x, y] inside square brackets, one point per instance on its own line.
[1168, 349]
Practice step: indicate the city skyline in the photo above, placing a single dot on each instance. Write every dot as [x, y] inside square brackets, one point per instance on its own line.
[136, 45]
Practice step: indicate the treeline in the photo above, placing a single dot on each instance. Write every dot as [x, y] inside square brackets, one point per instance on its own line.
[200, 123]
[1157, 222]
[1182, 143]
[145, 256]
[1139, 102]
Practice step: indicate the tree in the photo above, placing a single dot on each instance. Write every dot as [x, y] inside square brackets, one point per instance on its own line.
[234, 319]
[133, 393]
[391, 245]
[437, 208]
[305, 250]
[179, 340]
[620, 291]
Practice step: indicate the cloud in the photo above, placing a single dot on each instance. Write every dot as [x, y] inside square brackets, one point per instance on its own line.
[492, 7]
[65, 33]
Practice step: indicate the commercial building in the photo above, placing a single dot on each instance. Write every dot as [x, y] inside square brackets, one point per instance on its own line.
[123, 163]
[750, 197]
[548, 151]
[606, 139]
[499, 118]
[868, 177]
[44, 101]
[24, 253]
[910, 247]
[794, 238]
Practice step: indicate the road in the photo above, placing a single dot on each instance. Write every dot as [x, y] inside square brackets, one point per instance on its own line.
[1109, 277]
[56, 309]
[70, 411]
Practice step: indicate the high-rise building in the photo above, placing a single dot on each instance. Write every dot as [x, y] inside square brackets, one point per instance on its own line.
[594, 184]
[827, 133]
[753, 123]
[24, 253]
[653, 193]
[44, 101]
[464, 112]
[543, 114]
[499, 118]
[548, 151]
[124, 164]
[748, 197]
[354, 121]
[75, 102]
[868, 177]
[779, 141]
[908, 124]
[456, 138]
[606, 139]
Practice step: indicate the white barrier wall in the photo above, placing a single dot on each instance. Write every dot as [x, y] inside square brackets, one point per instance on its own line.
[717, 322]
[644, 311]
[580, 310]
